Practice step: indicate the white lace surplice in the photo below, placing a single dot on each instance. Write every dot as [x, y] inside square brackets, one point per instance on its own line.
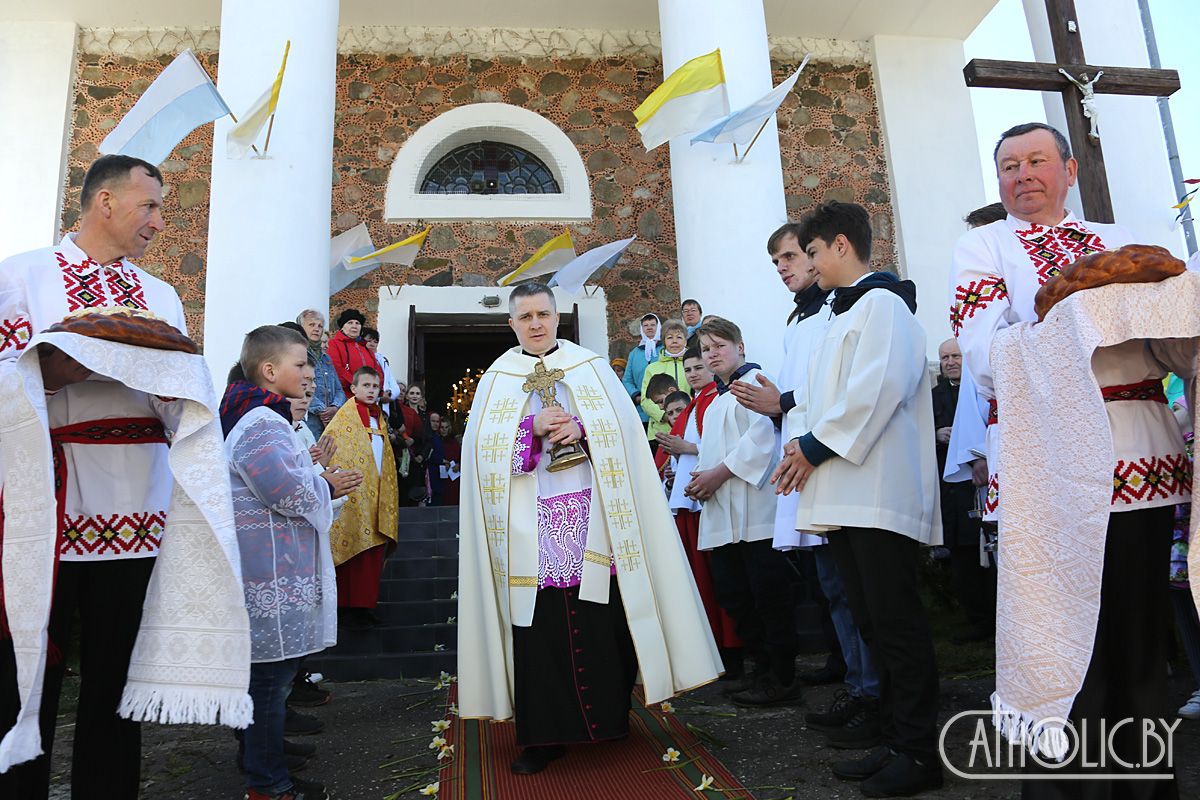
[282, 512]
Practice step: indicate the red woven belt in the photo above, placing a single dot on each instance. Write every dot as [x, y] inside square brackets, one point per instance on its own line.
[1151, 390]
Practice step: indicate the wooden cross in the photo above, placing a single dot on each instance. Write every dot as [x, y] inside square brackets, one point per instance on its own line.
[542, 380]
[1068, 52]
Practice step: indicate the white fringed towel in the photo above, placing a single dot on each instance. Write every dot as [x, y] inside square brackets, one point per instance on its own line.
[191, 662]
[1056, 470]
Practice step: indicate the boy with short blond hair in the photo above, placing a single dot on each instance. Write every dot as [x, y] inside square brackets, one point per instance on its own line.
[280, 507]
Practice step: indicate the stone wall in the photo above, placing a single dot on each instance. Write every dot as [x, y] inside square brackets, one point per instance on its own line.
[829, 135]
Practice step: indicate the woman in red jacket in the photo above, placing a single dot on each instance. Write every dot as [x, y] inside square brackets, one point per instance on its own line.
[346, 350]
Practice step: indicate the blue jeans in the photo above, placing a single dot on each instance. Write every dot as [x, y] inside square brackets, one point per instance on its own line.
[860, 673]
[262, 742]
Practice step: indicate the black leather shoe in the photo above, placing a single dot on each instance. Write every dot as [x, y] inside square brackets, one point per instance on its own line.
[302, 749]
[861, 731]
[904, 776]
[769, 692]
[297, 724]
[838, 714]
[860, 769]
[748, 681]
[535, 759]
[824, 675]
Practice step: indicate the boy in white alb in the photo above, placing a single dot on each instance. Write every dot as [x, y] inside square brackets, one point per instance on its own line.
[738, 450]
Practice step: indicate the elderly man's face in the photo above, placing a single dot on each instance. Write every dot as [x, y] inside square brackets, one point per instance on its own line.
[1034, 179]
[691, 313]
[435, 421]
[950, 359]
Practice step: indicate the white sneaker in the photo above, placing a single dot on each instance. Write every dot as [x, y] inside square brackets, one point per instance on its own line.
[1191, 709]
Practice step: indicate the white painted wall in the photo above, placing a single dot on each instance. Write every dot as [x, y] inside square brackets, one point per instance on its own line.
[724, 211]
[932, 152]
[394, 306]
[268, 232]
[1135, 150]
[37, 75]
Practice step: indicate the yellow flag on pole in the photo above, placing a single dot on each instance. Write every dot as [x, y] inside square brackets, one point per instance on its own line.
[550, 257]
[241, 137]
[692, 97]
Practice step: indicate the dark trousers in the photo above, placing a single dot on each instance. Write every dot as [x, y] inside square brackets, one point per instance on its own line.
[261, 744]
[753, 583]
[1187, 622]
[975, 587]
[879, 570]
[1127, 676]
[107, 753]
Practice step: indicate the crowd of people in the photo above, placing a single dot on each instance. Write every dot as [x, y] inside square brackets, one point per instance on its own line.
[655, 518]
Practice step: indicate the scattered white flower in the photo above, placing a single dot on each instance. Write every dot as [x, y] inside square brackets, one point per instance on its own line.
[451, 621]
[454, 595]
[454, 709]
[671, 756]
[446, 677]
[706, 782]
[431, 790]
[440, 725]
[445, 752]
[437, 648]
[438, 743]
[667, 708]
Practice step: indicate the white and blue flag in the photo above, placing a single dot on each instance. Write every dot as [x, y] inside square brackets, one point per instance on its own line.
[181, 99]
[742, 126]
[574, 275]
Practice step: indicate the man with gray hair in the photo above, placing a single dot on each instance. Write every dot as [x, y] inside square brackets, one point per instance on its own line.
[328, 395]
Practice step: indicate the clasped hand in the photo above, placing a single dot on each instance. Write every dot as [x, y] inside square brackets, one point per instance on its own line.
[793, 470]
[706, 482]
[342, 482]
[558, 425]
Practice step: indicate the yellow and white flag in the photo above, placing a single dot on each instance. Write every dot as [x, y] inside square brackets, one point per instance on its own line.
[691, 98]
[241, 137]
[550, 257]
[353, 255]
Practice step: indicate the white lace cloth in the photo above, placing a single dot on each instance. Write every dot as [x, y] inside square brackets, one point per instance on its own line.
[191, 662]
[1055, 458]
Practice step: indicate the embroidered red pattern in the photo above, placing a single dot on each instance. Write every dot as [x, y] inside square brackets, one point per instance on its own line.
[86, 291]
[1152, 478]
[15, 334]
[1051, 249]
[974, 297]
[992, 501]
[113, 535]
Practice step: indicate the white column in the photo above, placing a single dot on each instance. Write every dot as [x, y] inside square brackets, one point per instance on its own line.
[724, 211]
[37, 74]
[1135, 149]
[932, 153]
[268, 233]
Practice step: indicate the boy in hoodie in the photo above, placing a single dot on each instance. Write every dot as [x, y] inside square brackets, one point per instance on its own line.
[670, 363]
[862, 457]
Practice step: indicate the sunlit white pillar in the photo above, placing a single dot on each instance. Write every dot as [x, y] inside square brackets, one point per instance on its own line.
[268, 234]
[724, 211]
[37, 72]
[1131, 132]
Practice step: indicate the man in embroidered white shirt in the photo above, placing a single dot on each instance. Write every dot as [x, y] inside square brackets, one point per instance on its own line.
[110, 529]
[998, 269]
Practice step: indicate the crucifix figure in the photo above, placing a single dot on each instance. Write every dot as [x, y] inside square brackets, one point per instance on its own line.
[542, 380]
[1069, 78]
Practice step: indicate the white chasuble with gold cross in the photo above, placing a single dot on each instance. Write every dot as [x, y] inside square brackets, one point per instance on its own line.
[629, 526]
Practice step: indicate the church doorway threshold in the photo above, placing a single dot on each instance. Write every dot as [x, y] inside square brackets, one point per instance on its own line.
[445, 349]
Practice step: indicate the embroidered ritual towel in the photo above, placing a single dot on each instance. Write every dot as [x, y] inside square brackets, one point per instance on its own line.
[191, 662]
[1056, 464]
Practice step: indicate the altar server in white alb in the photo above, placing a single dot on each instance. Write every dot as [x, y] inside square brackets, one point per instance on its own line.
[738, 450]
[998, 269]
[866, 470]
[572, 576]
[110, 532]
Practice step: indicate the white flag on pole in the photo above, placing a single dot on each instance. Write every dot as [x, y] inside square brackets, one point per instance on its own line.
[181, 99]
[574, 275]
[742, 126]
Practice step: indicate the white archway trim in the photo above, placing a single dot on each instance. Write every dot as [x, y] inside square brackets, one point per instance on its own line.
[494, 122]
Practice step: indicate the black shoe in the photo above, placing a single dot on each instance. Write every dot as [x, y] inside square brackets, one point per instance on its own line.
[535, 759]
[826, 674]
[309, 790]
[904, 776]
[769, 692]
[747, 681]
[859, 769]
[861, 731]
[297, 724]
[302, 749]
[307, 694]
[845, 705]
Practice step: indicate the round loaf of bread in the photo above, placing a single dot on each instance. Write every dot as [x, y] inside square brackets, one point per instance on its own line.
[127, 326]
[1133, 263]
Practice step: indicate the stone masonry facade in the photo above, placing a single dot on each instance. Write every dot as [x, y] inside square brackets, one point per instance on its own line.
[829, 138]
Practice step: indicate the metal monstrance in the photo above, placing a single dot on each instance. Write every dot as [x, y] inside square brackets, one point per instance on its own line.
[541, 380]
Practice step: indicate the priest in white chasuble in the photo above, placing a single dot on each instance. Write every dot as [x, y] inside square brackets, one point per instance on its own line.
[573, 583]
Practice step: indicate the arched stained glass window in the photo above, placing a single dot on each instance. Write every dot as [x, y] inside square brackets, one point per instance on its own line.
[489, 168]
